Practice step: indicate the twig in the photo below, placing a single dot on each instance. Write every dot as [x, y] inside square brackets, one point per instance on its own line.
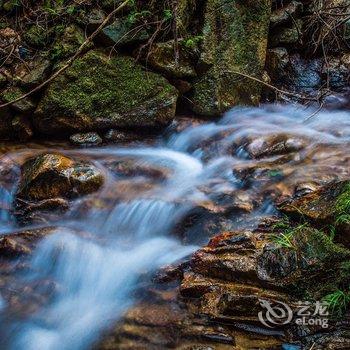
[318, 110]
[72, 59]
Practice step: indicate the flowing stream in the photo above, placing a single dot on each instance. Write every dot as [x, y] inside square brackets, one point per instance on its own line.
[106, 244]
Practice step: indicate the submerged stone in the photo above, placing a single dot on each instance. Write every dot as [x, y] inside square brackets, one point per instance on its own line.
[98, 92]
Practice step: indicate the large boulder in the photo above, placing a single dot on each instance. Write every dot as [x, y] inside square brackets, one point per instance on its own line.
[234, 40]
[102, 92]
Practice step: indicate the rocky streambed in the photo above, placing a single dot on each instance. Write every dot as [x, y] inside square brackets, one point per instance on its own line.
[175, 241]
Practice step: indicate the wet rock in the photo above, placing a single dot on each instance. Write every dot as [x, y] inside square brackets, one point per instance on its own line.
[162, 57]
[337, 69]
[86, 139]
[321, 205]
[227, 278]
[277, 61]
[304, 75]
[98, 92]
[123, 32]
[133, 168]
[52, 175]
[22, 243]
[22, 128]
[275, 145]
[286, 13]
[234, 39]
[25, 105]
[116, 136]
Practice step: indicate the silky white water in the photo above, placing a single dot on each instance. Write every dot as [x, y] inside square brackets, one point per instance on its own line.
[97, 256]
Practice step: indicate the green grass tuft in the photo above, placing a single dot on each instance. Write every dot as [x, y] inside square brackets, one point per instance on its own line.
[338, 302]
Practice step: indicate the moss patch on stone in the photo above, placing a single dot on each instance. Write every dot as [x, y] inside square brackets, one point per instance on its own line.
[235, 39]
[101, 92]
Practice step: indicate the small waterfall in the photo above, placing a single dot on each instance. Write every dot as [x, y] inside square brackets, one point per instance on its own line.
[96, 259]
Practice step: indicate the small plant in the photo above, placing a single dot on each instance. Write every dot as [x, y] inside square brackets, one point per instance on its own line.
[285, 240]
[285, 237]
[338, 302]
[342, 206]
[332, 233]
[193, 41]
[345, 268]
[167, 15]
[135, 16]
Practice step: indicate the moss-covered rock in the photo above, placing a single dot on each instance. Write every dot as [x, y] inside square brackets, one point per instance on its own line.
[286, 13]
[184, 12]
[122, 32]
[98, 92]
[234, 39]
[37, 36]
[327, 206]
[162, 57]
[31, 74]
[68, 42]
[25, 105]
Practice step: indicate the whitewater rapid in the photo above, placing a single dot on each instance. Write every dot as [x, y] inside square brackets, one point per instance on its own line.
[98, 272]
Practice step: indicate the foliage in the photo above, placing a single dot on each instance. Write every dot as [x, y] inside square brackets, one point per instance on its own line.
[338, 302]
[194, 41]
[342, 207]
[285, 238]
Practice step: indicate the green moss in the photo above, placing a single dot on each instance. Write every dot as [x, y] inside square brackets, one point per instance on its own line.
[37, 36]
[234, 40]
[342, 206]
[11, 5]
[97, 91]
[109, 94]
[68, 41]
[11, 94]
[338, 302]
